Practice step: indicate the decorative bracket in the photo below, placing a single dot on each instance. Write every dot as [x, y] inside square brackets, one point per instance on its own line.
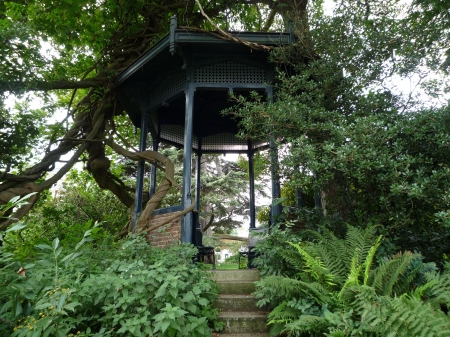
[173, 26]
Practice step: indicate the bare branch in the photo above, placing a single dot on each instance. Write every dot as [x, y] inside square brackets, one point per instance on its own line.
[226, 36]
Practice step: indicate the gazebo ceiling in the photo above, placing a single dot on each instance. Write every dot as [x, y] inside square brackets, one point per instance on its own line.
[155, 85]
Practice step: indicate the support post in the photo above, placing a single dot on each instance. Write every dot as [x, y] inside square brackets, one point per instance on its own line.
[251, 178]
[152, 189]
[140, 173]
[198, 230]
[275, 210]
[197, 181]
[186, 199]
[276, 190]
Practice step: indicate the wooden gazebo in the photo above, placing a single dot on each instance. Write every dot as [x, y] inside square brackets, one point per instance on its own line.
[177, 91]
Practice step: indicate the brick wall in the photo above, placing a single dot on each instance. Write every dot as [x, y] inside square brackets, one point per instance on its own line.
[166, 235]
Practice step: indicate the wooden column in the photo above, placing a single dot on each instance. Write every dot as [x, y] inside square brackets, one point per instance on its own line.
[198, 171]
[140, 173]
[274, 168]
[251, 178]
[186, 198]
[152, 189]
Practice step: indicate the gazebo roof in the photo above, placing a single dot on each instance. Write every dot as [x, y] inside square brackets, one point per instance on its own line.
[155, 84]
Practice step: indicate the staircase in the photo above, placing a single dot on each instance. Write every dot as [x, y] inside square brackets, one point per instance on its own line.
[238, 308]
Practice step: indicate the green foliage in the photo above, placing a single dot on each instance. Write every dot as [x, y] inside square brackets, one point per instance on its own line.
[69, 213]
[261, 163]
[335, 289]
[19, 133]
[127, 289]
[375, 154]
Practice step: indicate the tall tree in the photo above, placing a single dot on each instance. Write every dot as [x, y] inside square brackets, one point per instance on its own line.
[377, 154]
[91, 42]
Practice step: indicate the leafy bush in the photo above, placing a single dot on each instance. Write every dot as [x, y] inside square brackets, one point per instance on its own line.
[125, 289]
[68, 214]
[333, 287]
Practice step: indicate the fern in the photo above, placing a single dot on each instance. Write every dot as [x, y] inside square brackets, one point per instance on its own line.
[293, 288]
[440, 289]
[307, 324]
[314, 266]
[334, 253]
[387, 274]
[352, 298]
[353, 276]
[369, 258]
[401, 316]
[282, 314]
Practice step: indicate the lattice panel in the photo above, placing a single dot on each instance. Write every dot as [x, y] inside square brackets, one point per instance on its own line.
[230, 73]
[224, 142]
[220, 142]
[169, 87]
[175, 134]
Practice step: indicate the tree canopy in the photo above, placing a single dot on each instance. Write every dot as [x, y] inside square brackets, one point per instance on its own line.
[345, 121]
[68, 53]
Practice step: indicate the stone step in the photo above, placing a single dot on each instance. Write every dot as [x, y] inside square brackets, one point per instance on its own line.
[244, 322]
[246, 275]
[236, 288]
[236, 303]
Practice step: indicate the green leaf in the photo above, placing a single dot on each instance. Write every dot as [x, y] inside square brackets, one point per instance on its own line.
[19, 309]
[16, 227]
[48, 331]
[58, 251]
[44, 323]
[43, 306]
[44, 247]
[5, 306]
[162, 290]
[203, 301]
[173, 292]
[189, 297]
[61, 301]
[55, 243]
[164, 325]
[67, 257]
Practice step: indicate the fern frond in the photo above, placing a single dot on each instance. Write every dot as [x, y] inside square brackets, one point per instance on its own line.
[353, 276]
[361, 240]
[386, 275]
[411, 317]
[294, 259]
[440, 290]
[307, 324]
[336, 333]
[293, 288]
[334, 253]
[282, 314]
[403, 316]
[369, 258]
[276, 330]
[333, 262]
[359, 297]
[314, 266]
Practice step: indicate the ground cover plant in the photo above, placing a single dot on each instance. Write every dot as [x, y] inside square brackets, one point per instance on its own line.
[334, 287]
[118, 289]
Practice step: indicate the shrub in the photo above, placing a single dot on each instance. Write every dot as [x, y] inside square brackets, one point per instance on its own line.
[126, 289]
[333, 287]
